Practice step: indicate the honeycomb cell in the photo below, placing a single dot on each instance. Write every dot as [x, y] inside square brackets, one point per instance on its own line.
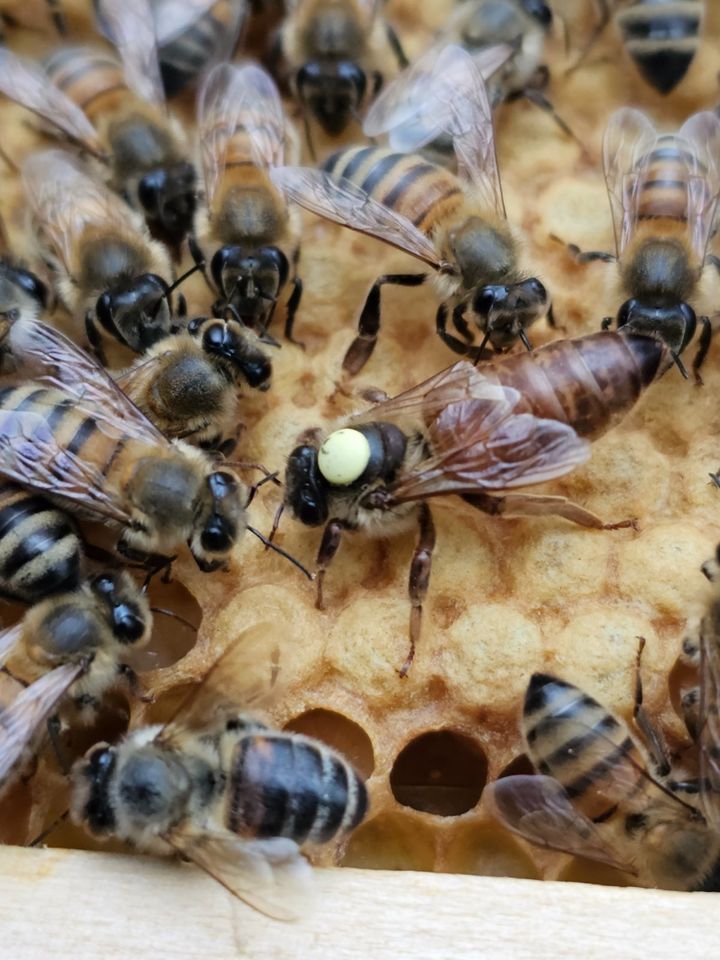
[176, 620]
[486, 850]
[392, 841]
[440, 772]
[518, 767]
[338, 732]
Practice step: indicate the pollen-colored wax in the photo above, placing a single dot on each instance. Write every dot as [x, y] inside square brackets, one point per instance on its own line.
[344, 456]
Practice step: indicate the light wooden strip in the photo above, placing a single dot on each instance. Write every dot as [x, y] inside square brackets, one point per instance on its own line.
[90, 906]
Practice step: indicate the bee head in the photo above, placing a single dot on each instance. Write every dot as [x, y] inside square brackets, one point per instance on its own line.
[504, 310]
[138, 311]
[229, 341]
[124, 604]
[250, 282]
[306, 490]
[168, 198]
[674, 324]
[219, 521]
[332, 91]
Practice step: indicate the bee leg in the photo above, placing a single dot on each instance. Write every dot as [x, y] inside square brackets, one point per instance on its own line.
[604, 9]
[292, 306]
[654, 739]
[534, 94]
[198, 258]
[95, 340]
[360, 350]
[54, 729]
[690, 706]
[331, 539]
[461, 324]
[57, 17]
[420, 569]
[128, 675]
[702, 350]
[588, 256]
[457, 346]
[606, 323]
[396, 46]
[538, 505]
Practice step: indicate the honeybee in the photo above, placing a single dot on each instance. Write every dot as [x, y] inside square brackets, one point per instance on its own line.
[661, 36]
[337, 54]
[455, 224]
[476, 432]
[594, 796]
[188, 389]
[115, 111]
[109, 272]
[246, 232]
[663, 191]
[36, 15]
[72, 435]
[193, 36]
[218, 787]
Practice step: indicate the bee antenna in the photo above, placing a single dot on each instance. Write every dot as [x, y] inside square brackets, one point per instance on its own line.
[283, 553]
[174, 285]
[276, 522]
[524, 339]
[48, 830]
[171, 613]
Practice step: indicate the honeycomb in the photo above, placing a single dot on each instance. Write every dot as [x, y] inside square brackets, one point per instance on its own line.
[507, 597]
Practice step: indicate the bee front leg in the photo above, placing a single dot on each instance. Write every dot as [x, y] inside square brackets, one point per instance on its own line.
[292, 306]
[457, 346]
[331, 539]
[360, 350]
[538, 505]
[419, 580]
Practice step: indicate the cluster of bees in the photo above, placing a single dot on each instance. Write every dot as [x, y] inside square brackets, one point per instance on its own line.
[128, 415]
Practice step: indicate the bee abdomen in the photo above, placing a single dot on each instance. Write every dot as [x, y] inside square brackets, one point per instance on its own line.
[40, 551]
[663, 187]
[86, 76]
[283, 785]
[421, 191]
[662, 38]
[590, 382]
[184, 57]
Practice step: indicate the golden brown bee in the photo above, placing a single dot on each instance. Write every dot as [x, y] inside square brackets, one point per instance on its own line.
[116, 112]
[246, 233]
[455, 224]
[595, 797]
[478, 432]
[663, 192]
[73, 436]
[218, 787]
[109, 273]
[194, 35]
[337, 53]
[661, 36]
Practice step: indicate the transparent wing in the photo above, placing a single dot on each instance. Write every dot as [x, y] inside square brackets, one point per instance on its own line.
[20, 723]
[341, 201]
[31, 456]
[65, 199]
[239, 98]
[9, 638]
[538, 809]
[702, 133]
[26, 83]
[48, 356]
[270, 875]
[629, 136]
[710, 721]
[130, 26]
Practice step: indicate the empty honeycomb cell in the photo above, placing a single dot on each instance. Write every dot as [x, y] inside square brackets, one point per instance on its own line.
[440, 772]
[339, 732]
[487, 850]
[108, 725]
[392, 841]
[519, 766]
[172, 638]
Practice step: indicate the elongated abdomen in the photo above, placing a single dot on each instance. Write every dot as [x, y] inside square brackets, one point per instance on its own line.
[588, 382]
[286, 785]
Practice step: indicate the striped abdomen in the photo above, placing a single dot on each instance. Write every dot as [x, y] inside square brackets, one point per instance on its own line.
[588, 382]
[286, 785]
[40, 551]
[662, 187]
[662, 37]
[90, 77]
[572, 738]
[421, 191]
[185, 56]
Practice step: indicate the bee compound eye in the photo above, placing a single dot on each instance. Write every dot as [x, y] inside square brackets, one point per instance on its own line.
[344, 457]
[128, 625]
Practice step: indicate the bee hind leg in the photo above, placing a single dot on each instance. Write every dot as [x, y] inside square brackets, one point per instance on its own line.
[419, 580]
[538, 505]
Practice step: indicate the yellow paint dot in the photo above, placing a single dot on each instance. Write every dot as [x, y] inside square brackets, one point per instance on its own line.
[343, 457]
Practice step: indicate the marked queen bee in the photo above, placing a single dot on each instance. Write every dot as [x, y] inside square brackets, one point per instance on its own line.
[477, 432]
[663, 191]
[595, 797]
[218, 787]
[455, 224]
[116, 112]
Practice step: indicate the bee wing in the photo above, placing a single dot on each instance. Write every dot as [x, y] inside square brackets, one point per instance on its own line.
[629, 136]
[236, 98]
[31, 457]
[130, 26]
[173, 17]
[26, 83]
[702, 133]
[55, 361]
[539, 809]
[9, 638]
[20, 722]
[710, 728]
[270, 875]
[341, 201]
